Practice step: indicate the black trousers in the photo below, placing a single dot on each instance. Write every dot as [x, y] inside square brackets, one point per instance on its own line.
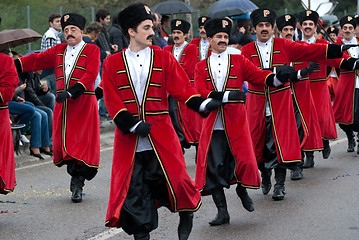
[172, 109]
[220, 163]
[147, 187]
[348, 129]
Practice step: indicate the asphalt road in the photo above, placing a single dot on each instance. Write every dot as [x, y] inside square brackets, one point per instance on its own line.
[324, 205]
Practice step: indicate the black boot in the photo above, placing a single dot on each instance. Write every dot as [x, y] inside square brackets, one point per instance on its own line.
[266, 181]
[185, 225]
[141, 236]
[246, 200]
[309, 161]
[279, 190]
[297, 172]
[219, 199]
[76, 185]
[351, 141]
[326, 151]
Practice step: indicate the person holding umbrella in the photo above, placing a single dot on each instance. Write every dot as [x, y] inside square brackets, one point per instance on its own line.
[76, 67]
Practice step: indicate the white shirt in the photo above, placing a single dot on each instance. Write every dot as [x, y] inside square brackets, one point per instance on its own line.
[139, 67]
[70, 56]
[353, 52]
[204, 45]
[310, 40]
[219, 65]
[265, 52]
[177, 51]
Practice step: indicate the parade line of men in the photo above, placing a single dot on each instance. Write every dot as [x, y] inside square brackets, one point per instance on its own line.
[163, 101]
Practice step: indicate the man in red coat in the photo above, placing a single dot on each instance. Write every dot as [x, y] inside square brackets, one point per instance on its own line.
[226, 153]
[270, 110]
[304, 109]
[186, 122]
[148, 169]
[347, 93]
[8, 84]
[76, 67]
[204, 48]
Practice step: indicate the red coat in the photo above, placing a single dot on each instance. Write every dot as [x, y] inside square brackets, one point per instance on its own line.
[308, 115]
[321, 97]
[344, 97]
[190, 121]
[234, 120]
[166, 77]
[8, 83]
[197, 42]
[76, 132]
[280, 99]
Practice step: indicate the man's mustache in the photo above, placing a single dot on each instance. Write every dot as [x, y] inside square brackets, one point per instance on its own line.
[347, 32]
[70, 36]
[288, 35]
[149, 37]
[203, 32]
[307, 29]
[219, 43]
[176, 38]
[264, 31]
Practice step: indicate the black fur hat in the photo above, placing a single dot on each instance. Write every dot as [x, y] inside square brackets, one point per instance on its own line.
[73, 19]
[179, 24]
[217, 25]
[133, 15]
[286, 20]
[263, 15]
[348, 19]
[308, 15]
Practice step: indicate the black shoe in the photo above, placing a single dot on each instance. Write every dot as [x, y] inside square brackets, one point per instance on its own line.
[351, 144]
[221, 218]
[326, 151]
[50, 153]
[36, 155]
[246, 200]
[278, 193]
[185, 225]
[141, 236]
[309, 160]
[296, 173]
[76, 187]
[266, 181]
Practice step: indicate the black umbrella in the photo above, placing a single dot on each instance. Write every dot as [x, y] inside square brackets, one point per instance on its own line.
[173, 7]
[229, 8]
[16, 37]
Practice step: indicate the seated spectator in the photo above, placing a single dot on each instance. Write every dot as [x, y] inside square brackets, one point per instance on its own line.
[38, 94]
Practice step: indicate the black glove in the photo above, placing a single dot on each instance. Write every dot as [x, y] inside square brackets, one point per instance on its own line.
[236, 95]
[284, 72]
[213, 105]
[61, 97]
[347, 46]
[216, 95]
[308, 70]
[98, 93]
[143, 129]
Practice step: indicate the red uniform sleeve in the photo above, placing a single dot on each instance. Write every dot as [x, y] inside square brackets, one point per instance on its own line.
[200, 79]
[177, 81]
[192, 60]
[8, 78]
[305, 52]
[253, 74]
[92, 67]
[39, 61]
[114, 103]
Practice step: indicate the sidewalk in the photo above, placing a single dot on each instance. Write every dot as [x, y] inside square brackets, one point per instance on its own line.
[25, 158]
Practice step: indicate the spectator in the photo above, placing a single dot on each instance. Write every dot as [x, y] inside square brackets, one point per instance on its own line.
[165, 23]
[116, 35]
[50, 39]
[103, 17]
[39, 95]
[158, 39]
[246, 28]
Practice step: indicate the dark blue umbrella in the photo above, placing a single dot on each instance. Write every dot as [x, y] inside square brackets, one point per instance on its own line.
[173, 7]
[229, 8]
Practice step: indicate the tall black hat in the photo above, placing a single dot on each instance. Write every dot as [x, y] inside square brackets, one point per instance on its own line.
[179, 24]
[348, 19]
[133, 15]
[308, 15]
[263, 15]
[202, 20]
[217, 25]
[333, 30]
[73, 19]
[286, 20]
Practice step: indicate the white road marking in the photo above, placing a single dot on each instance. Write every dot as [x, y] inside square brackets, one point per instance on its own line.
[107, 234]
[44, 163]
